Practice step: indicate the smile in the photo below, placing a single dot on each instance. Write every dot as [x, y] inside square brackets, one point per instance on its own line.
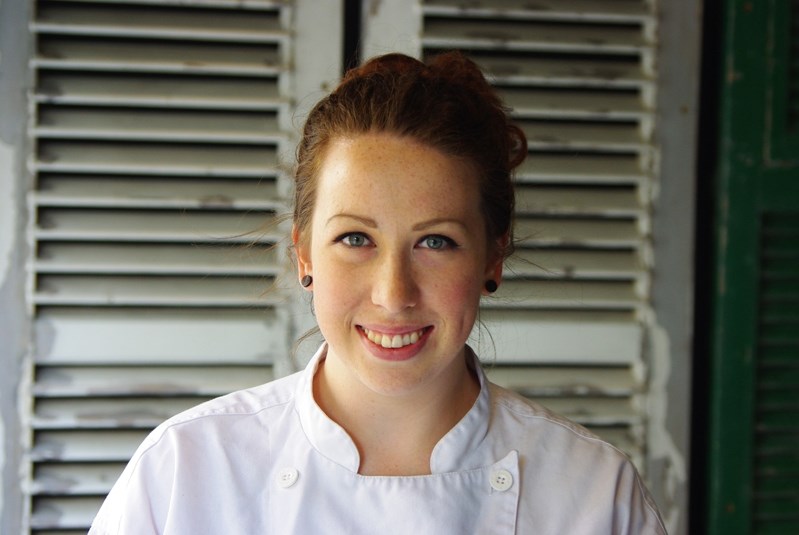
[393, 341]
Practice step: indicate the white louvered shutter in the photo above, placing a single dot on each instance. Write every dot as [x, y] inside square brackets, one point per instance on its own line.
[567, 324]
[159, 129]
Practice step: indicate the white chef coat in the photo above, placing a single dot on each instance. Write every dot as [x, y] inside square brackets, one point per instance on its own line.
[268, 460]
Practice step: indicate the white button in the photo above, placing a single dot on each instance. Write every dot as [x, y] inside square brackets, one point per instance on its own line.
[501, 480]
[287, 477]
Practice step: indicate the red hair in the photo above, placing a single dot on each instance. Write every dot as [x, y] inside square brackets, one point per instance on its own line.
[446, 104]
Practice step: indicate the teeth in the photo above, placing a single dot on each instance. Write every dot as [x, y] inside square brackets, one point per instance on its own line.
[393, 342]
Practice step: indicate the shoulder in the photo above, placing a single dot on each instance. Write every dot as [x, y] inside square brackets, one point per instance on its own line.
[552, 443]
[191, 459]
[523, 413]
[266, 405]
[249, 401]
[568, 462]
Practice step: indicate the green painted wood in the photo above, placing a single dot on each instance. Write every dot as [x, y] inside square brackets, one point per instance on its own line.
[754, 460]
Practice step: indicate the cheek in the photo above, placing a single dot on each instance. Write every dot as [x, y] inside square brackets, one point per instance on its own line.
[331, 307]
[336, 289]
[458, 308]
[459, 293]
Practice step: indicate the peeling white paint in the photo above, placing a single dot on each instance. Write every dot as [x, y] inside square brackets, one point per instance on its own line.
[8, 215]
[661, 444]
[2, 459]
[8, 209]
[392, 27]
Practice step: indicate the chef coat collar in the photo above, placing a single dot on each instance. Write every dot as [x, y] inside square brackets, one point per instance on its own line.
[452, 453]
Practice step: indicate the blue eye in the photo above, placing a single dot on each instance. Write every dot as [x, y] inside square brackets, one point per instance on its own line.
[354, 239]
[437, 242]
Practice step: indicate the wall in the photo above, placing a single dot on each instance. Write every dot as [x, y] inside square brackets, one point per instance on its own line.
[673, 225]
[673, 231]
[14, 333]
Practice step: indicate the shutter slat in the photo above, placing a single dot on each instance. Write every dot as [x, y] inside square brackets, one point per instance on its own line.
[173, 259]
[88, 290]
[80, 445]
[564, 293]
[75, 479]
[156, 192]
[222, 93]
[608, 137]
[578, 232]
[117, 55]
[563, 72]
[580, 168]
[556, 316]
[578, 105]
[555, 10]
[238, 4]
[157, 125]
[208, 381]
[161, 22]
[155, 226]
[108, 413]
[519, 337]
[531, 36]
[544, 263]
[158, 159]
[550, 381]
[64, 513]
[163, 336]
[577, 201]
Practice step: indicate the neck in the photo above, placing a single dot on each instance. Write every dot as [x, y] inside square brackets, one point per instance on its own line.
[395, 434]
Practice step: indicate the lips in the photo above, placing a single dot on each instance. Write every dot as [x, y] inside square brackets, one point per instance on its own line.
[393, 341]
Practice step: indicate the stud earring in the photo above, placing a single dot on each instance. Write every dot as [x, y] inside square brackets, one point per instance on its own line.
[306, 281]
[491, 286]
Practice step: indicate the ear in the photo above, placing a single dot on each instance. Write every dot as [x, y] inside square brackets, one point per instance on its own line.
[496, 260]
[303, 253]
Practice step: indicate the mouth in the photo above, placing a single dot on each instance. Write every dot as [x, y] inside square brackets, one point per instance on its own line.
[394, 341]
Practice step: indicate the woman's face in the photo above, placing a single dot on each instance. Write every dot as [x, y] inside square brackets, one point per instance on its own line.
[398, 254]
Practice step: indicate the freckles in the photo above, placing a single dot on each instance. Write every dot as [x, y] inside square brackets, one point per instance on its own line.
[458, 291]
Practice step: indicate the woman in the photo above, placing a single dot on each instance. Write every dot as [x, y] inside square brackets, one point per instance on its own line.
[402, 220]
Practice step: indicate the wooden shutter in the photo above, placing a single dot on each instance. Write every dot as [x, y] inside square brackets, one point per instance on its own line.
[775, 471]
[753, 461]
[567, 326]
[158, 130]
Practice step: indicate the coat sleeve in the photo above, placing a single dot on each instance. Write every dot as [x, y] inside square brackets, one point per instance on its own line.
[139, 501]
[635, 511]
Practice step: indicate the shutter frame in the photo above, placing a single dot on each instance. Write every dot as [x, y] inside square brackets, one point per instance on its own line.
[580, 78]
[161, 131]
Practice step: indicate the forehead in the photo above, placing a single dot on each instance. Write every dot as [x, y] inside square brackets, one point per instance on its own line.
[386, 170]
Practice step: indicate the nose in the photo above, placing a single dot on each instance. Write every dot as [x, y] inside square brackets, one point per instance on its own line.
[395, 287]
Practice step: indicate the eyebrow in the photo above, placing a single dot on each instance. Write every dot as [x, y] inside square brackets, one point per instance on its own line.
[438, 221]
[364, 220]
[419, 226]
